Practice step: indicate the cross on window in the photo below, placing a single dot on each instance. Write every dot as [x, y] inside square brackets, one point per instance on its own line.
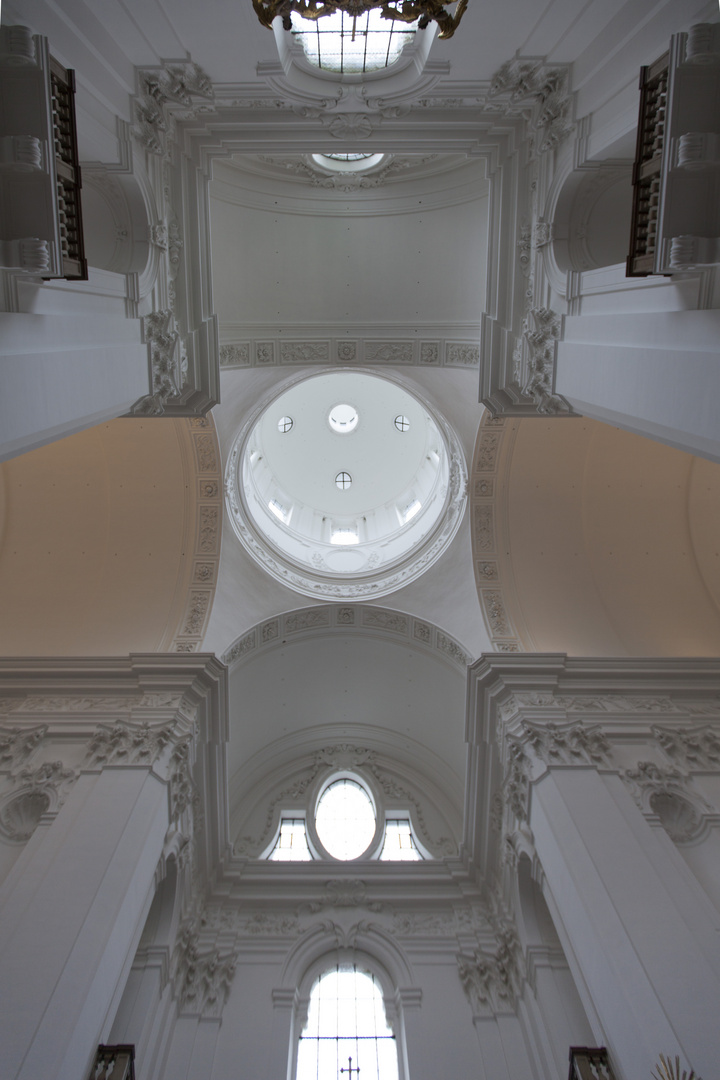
[350, 1069]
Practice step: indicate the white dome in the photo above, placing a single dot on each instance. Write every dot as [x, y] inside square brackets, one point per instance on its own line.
[346, 484]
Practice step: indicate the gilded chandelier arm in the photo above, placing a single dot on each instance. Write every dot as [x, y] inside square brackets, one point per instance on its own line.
[406, 11]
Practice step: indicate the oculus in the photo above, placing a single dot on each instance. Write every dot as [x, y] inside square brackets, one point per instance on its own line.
[358, 497]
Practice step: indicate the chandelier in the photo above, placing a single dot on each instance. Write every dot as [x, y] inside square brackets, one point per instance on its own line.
[408, 11]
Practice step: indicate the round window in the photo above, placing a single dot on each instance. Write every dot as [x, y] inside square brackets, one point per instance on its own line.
[345, 819]
[343, 418]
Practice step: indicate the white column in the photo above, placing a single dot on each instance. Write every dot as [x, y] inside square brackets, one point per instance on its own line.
[654, 373]
[61, 374]
[642, 932]
[70, 913]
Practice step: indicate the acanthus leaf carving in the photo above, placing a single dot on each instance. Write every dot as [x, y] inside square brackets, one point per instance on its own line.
[167, 354]
[202, 978]
[492, 981]
[18, 744]
[696, 748]
[127, 744]
[543, 91]
[159, 90]
[534, 358]
[567, 744]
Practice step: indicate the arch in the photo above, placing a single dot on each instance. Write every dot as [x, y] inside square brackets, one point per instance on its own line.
[350, 619]
[326, 945]
[591, 217]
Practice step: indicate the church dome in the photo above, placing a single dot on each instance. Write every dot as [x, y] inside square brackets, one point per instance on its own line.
[346, 485]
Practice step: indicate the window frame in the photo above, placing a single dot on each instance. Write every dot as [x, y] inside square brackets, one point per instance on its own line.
[383, 814]
[392, 995]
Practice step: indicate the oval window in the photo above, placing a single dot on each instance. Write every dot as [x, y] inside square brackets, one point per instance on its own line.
[345, 819]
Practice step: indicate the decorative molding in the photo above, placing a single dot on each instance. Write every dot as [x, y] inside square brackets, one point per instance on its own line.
[547, 88]
[353, 618]
[343, 892]
[17, 745]
[206, 554]
[461, 920]
[566, 744]
[202, 979]
[534, 359]
[167, 356]
[492, 981]
[305, 573]
[448, 353]
[666, 793]
[161, 91]
[35, 793]
[357, 759]
[698, 749]
[486, 545]
[125, 744]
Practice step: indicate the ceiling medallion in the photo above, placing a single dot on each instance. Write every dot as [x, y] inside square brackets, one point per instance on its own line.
[407, 11]
[346, 518]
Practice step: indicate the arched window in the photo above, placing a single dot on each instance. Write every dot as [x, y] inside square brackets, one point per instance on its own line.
[345, 821]
[346, 1029]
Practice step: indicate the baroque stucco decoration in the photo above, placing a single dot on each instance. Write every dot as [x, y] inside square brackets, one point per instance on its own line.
[377, 771]
[406, 353]
[206, 541]
[349, 619]
[485, 529]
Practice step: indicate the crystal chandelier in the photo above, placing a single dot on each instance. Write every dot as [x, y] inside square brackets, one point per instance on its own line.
[407, 11]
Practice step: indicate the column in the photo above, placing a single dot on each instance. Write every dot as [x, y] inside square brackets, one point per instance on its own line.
[642, 933]
[654, 373]
[60, 374]
[70, 914]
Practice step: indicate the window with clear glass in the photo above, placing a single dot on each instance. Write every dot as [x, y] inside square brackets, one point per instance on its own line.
[291, 845]
[353, 43]
[345, 819]
[399, 845]
[346, 1030]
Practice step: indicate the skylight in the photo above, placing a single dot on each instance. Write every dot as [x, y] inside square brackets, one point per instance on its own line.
[352, 44]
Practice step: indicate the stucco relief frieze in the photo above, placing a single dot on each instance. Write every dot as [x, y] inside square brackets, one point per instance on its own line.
[206, 542]
[486, 544]
[355, 619]
[278, 352]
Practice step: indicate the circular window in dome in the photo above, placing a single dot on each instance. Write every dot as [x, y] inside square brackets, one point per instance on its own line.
[401, 423]
[343, 419]
[285, 423]
[345, 819]
[394, 506]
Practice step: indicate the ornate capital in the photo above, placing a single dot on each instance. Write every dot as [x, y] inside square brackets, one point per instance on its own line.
[696, 748]
[492, 980]
[202, 978]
